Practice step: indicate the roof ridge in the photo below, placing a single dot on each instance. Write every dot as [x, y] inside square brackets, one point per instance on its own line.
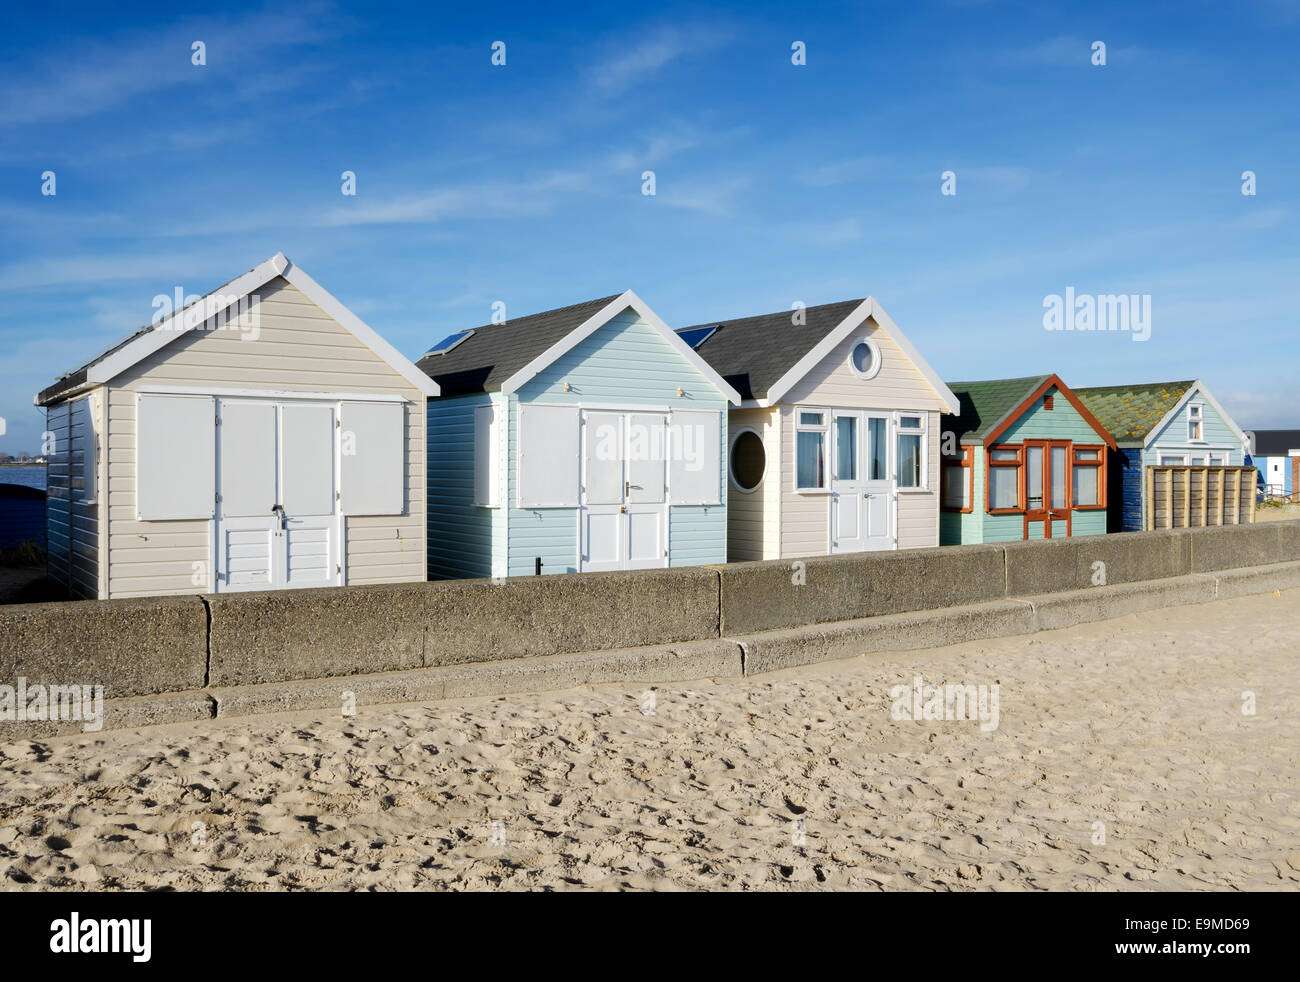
[731, 322]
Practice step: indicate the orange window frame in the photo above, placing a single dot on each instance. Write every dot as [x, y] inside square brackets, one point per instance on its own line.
[1100, 464]
[1019, 464]
[967, 461]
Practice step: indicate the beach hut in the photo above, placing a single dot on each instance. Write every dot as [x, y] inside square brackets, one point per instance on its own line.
[259, 437]
[580, 439]
[1023, 460]
[834, 448]
[1276, 455]
[1159, 424]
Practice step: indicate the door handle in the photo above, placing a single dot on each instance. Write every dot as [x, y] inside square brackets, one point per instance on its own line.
[284, 520]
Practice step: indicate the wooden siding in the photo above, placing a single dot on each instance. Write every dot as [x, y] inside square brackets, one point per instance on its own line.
[754, 518]
[463, 537]
[1172, 439]
[625, 363]
[299, 348]
[73, 503]
[898, 386]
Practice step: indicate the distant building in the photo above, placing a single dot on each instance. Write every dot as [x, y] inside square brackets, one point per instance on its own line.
[1276, 455]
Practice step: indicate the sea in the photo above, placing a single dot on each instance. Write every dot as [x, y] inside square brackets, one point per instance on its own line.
[32, 476]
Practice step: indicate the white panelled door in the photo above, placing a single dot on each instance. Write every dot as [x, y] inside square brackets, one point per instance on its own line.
[862, 485]
[623, 516]
[277, 503]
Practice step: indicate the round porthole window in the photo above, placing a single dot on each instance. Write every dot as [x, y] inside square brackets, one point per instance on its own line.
[864, 358]
[748, 460]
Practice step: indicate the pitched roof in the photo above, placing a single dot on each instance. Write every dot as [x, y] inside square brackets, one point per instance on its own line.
[495, 352]
[1131, 412]
[1275, 443]
[502, 357]
[69, 381]
[752, 353]
[144, 341]
[986, 404]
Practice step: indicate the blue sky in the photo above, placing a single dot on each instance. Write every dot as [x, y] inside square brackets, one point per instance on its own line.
[775, 183]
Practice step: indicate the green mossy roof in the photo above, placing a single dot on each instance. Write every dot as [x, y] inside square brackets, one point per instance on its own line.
[985, 404]
[1130, 412]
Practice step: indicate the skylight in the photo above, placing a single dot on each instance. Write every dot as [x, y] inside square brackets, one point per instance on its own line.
[696, 336]
[447, 343]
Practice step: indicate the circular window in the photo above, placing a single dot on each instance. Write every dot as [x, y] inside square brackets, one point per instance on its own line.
[864, 359]
[748, 460]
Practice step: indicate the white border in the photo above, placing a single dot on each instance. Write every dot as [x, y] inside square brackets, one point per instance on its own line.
[875, 359]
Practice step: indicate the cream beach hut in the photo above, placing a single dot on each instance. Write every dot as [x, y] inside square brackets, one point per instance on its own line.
[835, 445]
[261, 437]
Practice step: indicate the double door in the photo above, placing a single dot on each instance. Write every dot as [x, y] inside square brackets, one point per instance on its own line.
[862, 483]
[277, 509]
[623, 513]
[1047, 489]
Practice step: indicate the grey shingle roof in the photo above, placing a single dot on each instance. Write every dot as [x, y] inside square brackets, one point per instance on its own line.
[1275, 443]
[494, 352]
[752, 353]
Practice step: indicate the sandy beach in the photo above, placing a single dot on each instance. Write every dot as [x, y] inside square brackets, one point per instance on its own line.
[1121, 760]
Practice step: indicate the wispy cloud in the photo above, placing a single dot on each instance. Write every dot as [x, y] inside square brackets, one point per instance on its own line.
[629, 64]
[840, 171]
[90, 76]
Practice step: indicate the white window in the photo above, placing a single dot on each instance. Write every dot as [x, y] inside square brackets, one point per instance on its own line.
[1195, 422]
[864, 358]
[1173, 460]
[911, 451]
[487, 456]
[810, 449]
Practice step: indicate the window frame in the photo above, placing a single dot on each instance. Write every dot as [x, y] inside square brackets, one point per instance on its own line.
[1196, 417]
[875, 358]
[824, 429]
[1019, 464]
[967, 462]
[923, 431]
[731, 456]
[1099, 464]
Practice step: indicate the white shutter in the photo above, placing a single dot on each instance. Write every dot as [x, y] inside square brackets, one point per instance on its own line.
[247, 458]
[646, 448]
[175, 445]
[373, 458]
[548, 456]
[307, 460]
[695, 472]
[602, 458]
[487, 456]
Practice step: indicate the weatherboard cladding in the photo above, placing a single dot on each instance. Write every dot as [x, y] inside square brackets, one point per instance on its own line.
[752, 353]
